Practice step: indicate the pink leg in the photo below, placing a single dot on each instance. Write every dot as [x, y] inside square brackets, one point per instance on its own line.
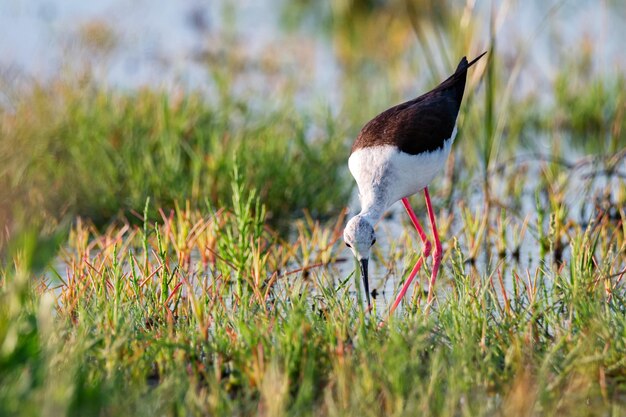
[419, 263]
[437, 253]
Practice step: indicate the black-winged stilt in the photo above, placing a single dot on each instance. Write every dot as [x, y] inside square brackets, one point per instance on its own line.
[397, 154]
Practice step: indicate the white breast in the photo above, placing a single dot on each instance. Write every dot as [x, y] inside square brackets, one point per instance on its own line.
[384, 175]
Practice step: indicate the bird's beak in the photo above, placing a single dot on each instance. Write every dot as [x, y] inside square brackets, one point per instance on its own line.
[365, 279]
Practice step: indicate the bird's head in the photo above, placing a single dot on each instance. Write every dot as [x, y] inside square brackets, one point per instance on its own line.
[360, 237]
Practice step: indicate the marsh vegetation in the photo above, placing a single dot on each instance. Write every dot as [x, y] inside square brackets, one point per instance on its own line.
[179, 252]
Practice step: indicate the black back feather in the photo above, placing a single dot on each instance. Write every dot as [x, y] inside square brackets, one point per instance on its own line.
[422, 124]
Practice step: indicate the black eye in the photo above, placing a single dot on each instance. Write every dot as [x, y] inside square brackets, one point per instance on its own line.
[347, 244]
[373, 241]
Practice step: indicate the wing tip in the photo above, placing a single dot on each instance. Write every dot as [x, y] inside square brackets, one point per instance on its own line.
[464, 64]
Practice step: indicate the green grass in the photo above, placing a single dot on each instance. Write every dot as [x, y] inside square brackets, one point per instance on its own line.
[70, 150]
[213, 314]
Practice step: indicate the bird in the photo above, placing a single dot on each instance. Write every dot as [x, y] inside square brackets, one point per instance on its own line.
[396, 155]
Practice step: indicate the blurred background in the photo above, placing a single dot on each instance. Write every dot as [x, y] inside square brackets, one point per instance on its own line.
[106, 103]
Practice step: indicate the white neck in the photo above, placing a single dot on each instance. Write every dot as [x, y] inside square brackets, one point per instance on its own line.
[373, 204]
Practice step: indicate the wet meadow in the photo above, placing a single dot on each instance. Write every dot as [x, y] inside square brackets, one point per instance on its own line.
[177, 250]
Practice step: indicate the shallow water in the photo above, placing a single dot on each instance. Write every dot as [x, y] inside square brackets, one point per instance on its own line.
[582, 189]
[161, 43]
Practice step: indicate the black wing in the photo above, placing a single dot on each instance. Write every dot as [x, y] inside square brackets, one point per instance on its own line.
[422, 124]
